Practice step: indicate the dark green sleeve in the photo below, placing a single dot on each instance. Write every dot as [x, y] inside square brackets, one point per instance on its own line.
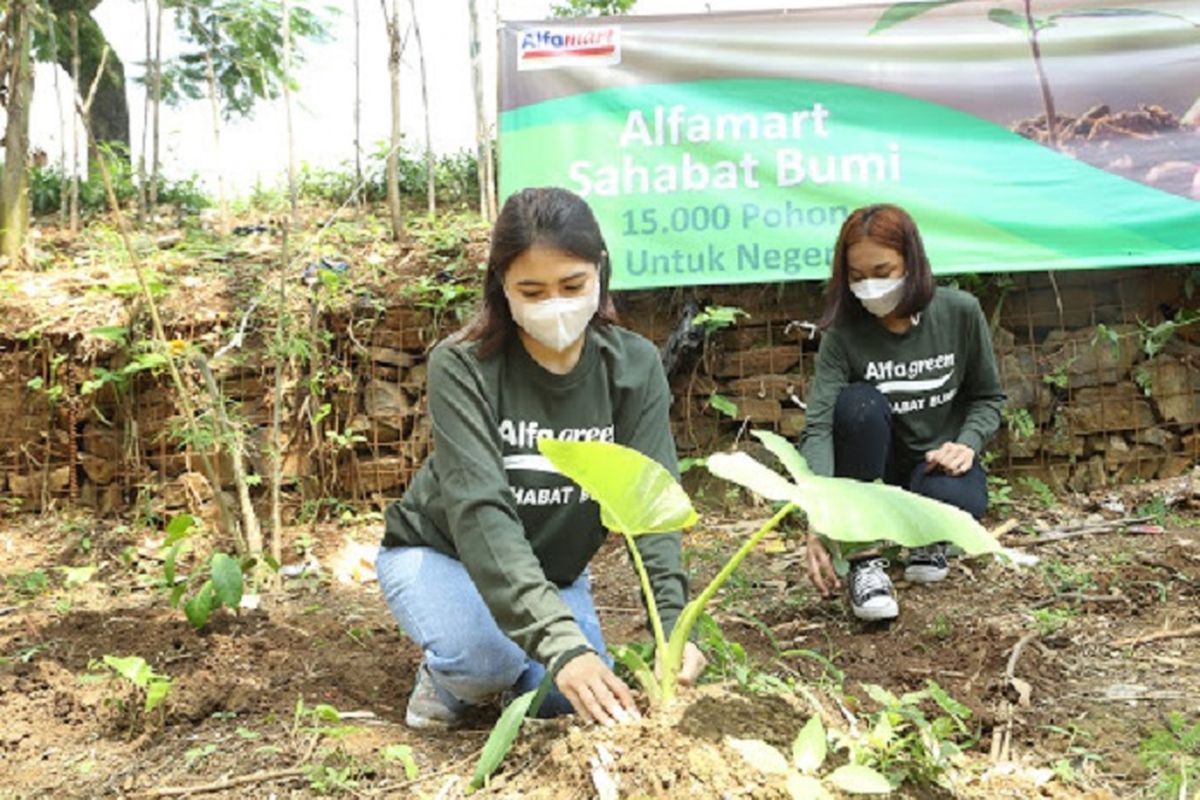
[831, 376]
[482, 514]
[643, 423]
[981, 386]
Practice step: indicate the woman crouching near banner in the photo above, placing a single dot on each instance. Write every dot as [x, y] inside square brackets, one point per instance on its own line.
[906, 390]
[484, 561]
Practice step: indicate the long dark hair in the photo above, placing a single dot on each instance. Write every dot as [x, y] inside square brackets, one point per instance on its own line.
[541, 217]
[890, 226]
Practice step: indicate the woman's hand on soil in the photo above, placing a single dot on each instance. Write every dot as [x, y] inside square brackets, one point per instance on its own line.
[820, 568]
[952, 458]
[596, 693]
[693, 664]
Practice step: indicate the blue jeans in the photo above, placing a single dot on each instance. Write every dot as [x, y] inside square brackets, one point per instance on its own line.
[863, 450]
[437, 605]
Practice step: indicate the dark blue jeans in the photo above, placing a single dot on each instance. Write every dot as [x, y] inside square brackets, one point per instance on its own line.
[863, 449]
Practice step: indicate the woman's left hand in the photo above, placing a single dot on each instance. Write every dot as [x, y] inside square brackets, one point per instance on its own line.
[952, 458]
[693, 664]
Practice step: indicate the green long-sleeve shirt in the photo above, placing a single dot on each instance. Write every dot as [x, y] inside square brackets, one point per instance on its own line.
[940, 377]
[488, 498]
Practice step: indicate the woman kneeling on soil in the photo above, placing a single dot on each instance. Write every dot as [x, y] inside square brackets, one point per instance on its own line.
[484, 561]
[906, 390]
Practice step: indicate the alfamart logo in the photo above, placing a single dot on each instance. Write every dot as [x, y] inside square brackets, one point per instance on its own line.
[547, 48]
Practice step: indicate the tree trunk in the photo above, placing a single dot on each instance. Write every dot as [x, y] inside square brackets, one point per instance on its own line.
[276, 447]
[14, 183]
[156, 100]
[109, 119]
[489, 161]
[277, 409]
[287, 107]
[482, 148]
[393, 159]
[63, 190]
[431, 195]
[142, 194]
[236, 446]
[358, 174]
[210, 75]
[75, 77]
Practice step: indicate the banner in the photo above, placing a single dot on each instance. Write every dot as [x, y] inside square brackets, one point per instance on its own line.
[728, 148]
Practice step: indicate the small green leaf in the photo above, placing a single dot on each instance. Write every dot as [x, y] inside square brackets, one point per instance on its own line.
[1011, 19]
[169, 565]
[633, 661]
[156, 693]
[114, 333]
[177, 593]
[501, 739]
[325, 713]
[806, 787]
[857, 779]
[760, 755]
[724, 405]
[946, 702]
[198, 753]
[636, 494]
[810, 747]
[132, 668]
[881, 734]
[200, 607]
[178, 528]
[902, 12]
[404, 754]
[77, 576]
[247, 734]
[227, 580]
[881, 695]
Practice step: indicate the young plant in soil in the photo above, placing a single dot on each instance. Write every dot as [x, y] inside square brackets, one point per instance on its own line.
[638, 497]
[137, 672]
[222, 587]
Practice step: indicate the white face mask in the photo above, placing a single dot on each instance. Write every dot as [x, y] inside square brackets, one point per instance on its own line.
[559, 322]
[880, 296]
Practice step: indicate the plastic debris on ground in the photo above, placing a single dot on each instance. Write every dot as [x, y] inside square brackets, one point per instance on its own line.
[312, 273]
[354, 562]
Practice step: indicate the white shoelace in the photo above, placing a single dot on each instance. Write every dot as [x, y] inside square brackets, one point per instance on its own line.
[870, 577]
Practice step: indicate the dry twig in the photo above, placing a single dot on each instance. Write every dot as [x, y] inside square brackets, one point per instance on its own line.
[1179, 633]
[1084, 529]
[227, 783]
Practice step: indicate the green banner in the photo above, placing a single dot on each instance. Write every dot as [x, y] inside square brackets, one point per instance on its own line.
[723, 149]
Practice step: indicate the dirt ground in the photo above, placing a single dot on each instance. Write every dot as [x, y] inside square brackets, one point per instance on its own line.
[71, 729]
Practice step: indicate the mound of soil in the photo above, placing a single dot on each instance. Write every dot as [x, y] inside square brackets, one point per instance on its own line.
[680, 752]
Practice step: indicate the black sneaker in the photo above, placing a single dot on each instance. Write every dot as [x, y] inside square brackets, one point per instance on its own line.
[927, 564]
[871, 594]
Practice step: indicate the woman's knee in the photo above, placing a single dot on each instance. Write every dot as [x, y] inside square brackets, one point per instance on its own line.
[438, 606]
[475, 669]
[967, 492]
[861, 404]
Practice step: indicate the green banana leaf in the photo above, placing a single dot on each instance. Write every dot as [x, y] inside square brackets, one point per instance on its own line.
[636, 494]
[847, 510]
